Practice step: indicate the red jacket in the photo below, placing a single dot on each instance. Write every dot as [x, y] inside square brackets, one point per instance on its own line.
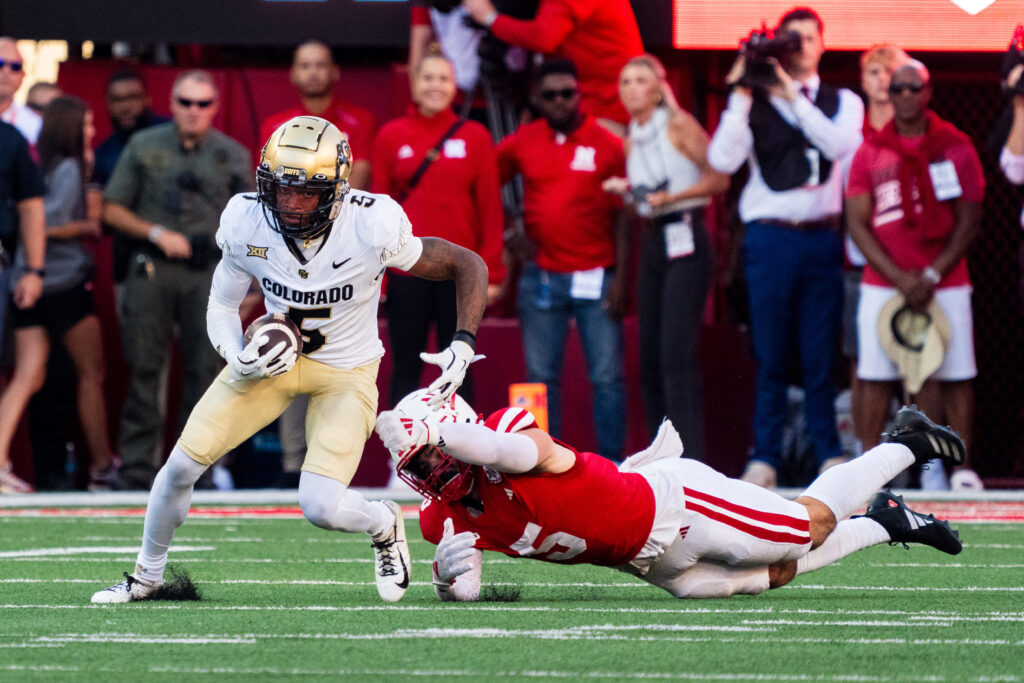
[458, 198]
[600, 36]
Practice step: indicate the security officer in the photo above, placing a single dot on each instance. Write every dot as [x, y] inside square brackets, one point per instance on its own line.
[167, 192]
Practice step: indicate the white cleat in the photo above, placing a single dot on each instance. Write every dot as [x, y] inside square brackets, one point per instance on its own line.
[131, 589]
[391, 558]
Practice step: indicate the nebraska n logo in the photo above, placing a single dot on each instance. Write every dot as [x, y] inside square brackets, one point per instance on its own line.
[259, 252]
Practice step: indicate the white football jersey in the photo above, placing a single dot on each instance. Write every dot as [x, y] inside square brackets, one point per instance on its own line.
[333, 297]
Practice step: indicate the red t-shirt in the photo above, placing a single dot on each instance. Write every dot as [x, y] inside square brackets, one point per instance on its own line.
[875, 170]
[590, 514]
[600, 36]
[355, 122]
[458, 197]
[567, 214]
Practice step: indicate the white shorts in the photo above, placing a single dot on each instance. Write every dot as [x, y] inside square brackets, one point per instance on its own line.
[701, 514]
[958, 364]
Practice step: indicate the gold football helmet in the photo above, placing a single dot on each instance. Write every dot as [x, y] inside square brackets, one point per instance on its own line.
[305, 153]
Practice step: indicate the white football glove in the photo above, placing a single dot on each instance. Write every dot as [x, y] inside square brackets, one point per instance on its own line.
[455, 556]
[454, 361]
[399, 432]
[248, 364]
[965, 479]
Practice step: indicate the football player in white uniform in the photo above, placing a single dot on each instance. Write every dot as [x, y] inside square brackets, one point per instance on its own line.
[318, 251]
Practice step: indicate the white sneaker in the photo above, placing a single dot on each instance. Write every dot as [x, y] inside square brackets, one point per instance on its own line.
[131, 589]
[12, 483]
[391, 558]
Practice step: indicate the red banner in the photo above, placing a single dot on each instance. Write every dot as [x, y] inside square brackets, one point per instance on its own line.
[930, 25]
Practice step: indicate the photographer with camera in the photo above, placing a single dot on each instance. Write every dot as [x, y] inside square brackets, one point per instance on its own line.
[167, 191]
[599, 36]
[793, 131]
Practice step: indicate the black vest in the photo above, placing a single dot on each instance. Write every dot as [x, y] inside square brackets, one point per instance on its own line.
[781, 149]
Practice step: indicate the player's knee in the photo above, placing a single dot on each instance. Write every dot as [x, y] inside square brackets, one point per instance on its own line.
[822, 519]
[181, 470]
[781, 573]
[705, 580]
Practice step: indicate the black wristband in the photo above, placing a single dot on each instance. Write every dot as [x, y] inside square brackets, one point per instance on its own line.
[465, 336]
[41, 272]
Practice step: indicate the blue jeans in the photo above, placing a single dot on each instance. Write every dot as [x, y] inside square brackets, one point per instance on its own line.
[795, 285]
[545, 307]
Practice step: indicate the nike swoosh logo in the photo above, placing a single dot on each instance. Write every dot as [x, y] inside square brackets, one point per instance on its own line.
[405, 582]
[339, 265]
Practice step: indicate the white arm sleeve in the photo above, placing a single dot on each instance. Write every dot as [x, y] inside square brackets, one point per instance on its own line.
[478, 445]
[731, 144]
[230, 284]
[835, 138]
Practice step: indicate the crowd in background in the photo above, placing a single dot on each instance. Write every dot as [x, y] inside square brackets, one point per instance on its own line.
[601, 151]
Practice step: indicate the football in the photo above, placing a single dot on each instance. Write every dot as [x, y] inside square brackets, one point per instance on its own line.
[277, 328]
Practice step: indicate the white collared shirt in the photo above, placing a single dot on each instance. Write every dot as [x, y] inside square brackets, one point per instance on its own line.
[732, 145]
[25, 120]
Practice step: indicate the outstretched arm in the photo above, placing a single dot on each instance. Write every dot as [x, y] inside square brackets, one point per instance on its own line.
[442, 260]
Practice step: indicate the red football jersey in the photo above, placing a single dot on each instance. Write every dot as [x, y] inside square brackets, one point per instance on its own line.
[590, 514]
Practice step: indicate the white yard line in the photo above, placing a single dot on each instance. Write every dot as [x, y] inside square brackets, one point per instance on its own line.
[92, 550]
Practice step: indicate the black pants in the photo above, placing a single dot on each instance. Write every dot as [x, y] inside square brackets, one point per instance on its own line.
[670, 309]
[413, 304]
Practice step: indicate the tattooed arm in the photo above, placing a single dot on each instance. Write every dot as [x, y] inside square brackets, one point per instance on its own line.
[442, 260]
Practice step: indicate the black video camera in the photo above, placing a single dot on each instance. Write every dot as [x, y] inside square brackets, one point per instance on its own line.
[760, 48]
[1013, 57]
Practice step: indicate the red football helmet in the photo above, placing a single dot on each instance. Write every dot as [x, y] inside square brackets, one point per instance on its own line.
[428, 469]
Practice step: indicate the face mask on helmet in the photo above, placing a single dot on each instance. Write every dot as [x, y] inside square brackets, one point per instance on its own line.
[428, 469]
[302, 178]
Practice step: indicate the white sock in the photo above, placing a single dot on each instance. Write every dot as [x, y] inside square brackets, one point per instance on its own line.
[850, 535]
[329, 504]
[844, 488]
[167, 508]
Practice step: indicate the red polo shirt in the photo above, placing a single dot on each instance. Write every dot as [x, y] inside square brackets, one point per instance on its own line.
[567, 214]
[458, 197]
[355, 122]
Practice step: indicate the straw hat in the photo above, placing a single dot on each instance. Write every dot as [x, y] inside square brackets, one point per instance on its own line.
[915, 340]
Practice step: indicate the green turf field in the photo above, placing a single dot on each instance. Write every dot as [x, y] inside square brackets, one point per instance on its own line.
[282, 598]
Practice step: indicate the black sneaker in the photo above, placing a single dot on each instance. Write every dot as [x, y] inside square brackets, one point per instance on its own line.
[925, 439]
[906, 526]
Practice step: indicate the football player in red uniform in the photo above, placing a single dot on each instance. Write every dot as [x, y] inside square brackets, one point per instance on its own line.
[505, 485]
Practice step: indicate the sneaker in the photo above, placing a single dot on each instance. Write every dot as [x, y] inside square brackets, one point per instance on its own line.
[906, 526]
[925, 439]
[131, 589]
[391, 558]
[12, 483]
[105, 479]
[761, 473]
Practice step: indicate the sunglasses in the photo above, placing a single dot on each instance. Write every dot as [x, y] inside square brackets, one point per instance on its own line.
[187, 104]
[897, 88]
[13, 66]
[564, 93]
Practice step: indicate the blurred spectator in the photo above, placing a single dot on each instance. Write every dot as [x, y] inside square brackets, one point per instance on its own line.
[599, 36]
[64, 313]
[21, 216]
[314, 74]
[12, 73]
[169, 188]
[580, 241]
[876, 68]
[1011, 157]
[458, 41]
[669, 184]
[442, 170]
[914, 207]
[40, 95]
[794, 134]
[128, 105]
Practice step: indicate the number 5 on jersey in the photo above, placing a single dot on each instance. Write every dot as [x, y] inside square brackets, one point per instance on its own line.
[568, 546]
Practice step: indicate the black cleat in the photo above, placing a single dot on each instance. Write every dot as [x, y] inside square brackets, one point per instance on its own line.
[906, 526]
[925, 439]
